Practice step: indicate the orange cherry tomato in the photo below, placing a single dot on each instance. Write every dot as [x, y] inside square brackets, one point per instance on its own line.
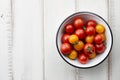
[99, 28]
[89, 39]
[78, 45]
[73, 38]
[93, 55]
[73, 55]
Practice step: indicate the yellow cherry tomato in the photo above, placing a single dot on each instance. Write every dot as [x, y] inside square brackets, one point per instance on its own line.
[89, 39]
[103, 37]
[93, 55]
[78, 45]
[73, 55]
[99, 28]
[73, 38]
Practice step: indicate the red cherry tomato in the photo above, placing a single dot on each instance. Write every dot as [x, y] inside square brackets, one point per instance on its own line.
[89, 49]
[98, 39]
[69, 28]
[91, 23]
[100, 48]
[90, 30]
[82, 40]
[82, 58]
[65, 38]
[78, 23]
[80, 33]
[66, 48]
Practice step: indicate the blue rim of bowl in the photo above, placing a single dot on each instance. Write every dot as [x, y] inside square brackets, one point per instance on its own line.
[97, 63]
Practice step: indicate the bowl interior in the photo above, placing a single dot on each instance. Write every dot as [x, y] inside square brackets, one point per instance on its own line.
[86, 16]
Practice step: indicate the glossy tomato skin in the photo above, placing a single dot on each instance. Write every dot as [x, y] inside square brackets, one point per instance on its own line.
[78, 46]
[69, 28]
[65, 38]
[89, 39]
[100, 48]
[103, 37]
[73, 38]
[98, 39]
[89, 49]
[78, 23]
[92, 56]
[83, 39]
[100, 28]
[66, 48]
[73, 55]
[80, 33]
[92, 23]
[90, 30]
[82, 58]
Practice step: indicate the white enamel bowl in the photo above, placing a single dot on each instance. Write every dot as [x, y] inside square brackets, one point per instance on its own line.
[109, 39]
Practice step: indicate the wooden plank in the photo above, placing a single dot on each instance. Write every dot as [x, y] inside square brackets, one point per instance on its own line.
[28, 40]
[114, 18]
[38, 53]
[99, 7]
[22, 39]
[55, 11]
[5, 34]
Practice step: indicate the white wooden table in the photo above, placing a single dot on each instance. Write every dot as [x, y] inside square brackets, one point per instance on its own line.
[27, 39]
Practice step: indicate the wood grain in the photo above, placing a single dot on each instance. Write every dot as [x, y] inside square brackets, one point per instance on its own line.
[5, 40]
[22, 40]
[99, 7]
[55, 11]
[114, 19]
[28, 40]
[38, 40]
[35, 53]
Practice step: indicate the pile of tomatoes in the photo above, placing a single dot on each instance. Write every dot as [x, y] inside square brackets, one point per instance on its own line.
[83, 40]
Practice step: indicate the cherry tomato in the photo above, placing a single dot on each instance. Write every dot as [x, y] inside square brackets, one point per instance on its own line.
[65, 38]
[69, 28]
[93, 55]
[99, 28]
[66, 48]
[82, 58]
[103, 37]
[78, 23]
[89, 49]
[73, 55]
[90, 30]
[91, 23]
[73, 38]
[89, 39]
[80, 33]
[83, 40]
[100, 48]
[98, 39]
[78, 45]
